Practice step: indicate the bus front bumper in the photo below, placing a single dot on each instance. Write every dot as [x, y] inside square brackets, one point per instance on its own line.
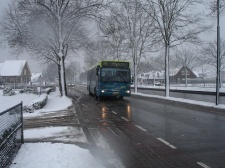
[115, 93]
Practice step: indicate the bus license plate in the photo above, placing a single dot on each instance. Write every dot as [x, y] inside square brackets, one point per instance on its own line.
[115, 93]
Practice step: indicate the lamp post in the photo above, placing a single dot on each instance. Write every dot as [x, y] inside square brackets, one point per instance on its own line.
[218, 53]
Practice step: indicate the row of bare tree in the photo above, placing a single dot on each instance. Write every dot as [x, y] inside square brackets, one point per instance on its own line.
[137, 29]
[132, 30]
[49, 29]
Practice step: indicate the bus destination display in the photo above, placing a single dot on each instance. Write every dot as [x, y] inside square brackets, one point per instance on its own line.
[112, 64]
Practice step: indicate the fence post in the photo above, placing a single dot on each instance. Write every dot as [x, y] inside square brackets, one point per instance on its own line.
[22, 137]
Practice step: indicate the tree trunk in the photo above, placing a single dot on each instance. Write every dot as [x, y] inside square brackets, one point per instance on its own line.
[64, 74]
[185, 76]
[167, 87]
[135, 77]
[59, 79]
[62, 78]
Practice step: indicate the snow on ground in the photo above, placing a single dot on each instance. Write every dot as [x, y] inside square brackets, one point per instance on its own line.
[54, 103]
[51, 155]
[207, 88]
[194, 102]
[57, 155]
[9, 101]
[57, 134]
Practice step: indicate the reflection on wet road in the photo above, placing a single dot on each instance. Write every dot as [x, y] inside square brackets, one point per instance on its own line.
[148, 133]
[198, 133]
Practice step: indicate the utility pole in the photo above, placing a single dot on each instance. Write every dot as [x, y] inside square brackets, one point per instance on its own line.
[218, 53]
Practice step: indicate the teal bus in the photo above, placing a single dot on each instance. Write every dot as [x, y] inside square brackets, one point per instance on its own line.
[110, 79]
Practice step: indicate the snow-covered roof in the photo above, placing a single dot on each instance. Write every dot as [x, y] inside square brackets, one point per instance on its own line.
[12, 67]
[152, 75]
[35, 76]
[173, 72]
[196, 73]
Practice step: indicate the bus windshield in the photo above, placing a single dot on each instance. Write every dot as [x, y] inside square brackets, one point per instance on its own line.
[115, 75]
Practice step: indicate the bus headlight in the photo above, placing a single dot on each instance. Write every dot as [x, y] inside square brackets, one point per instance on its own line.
[103, 91]
[128, 91]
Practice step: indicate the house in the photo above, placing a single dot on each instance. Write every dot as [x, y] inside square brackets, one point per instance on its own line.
[177, 76]
[37, 78]
[151, 77]
[15, 72]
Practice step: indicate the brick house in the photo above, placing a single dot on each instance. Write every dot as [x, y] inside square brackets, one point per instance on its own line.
[15, 72]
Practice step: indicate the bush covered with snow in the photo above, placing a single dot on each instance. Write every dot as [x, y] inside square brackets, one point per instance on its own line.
[47, 90]
[27, 90]
[36, 104]
[8, 92]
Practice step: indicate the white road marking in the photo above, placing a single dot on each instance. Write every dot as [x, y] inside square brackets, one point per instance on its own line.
[124, 118]
[114, 112]
[112, 131]
[203, 165]
[167, 143]
[140, 128]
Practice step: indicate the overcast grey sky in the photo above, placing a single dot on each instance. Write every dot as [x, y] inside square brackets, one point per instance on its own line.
[35, 66]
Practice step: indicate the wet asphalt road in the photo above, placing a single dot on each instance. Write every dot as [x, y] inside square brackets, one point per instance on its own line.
[140, 132]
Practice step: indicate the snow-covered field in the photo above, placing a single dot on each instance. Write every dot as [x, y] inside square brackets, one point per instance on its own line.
[51, 155]
[9, 101]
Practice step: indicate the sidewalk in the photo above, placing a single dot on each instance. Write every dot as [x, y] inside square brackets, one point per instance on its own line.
[54, 139]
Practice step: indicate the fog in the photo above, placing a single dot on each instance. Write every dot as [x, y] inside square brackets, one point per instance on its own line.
[37, 66]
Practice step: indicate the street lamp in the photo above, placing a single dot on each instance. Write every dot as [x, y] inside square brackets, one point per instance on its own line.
[218, 53]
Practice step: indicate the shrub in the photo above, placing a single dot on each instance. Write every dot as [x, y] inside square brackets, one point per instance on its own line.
[36, 104]
[8, 92]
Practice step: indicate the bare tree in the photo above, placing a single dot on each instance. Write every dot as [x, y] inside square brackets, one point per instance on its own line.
[50, 72]
[176, 22]
[72, 72]
[186, 58]
[136, 28]
[209, 54]
[95, 51]
[213, 7]
[51, 29]
[114, 36]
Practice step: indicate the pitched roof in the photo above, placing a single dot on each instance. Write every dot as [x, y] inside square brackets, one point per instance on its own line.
[35, 76]
[12, 67]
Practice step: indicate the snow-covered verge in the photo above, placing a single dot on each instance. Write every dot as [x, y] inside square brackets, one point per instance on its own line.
[10, 101]
[57, 155]
[36, 104]
[194, 102]
[51, 155]
[54, 103]
[54, 155]
[182, 87]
